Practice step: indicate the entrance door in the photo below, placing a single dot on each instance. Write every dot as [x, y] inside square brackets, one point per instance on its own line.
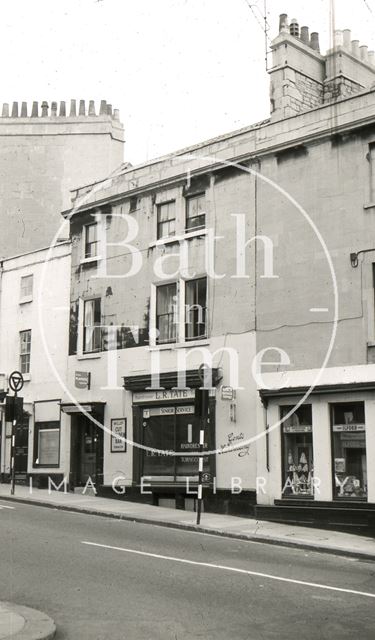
[21, 449]
[86, 451]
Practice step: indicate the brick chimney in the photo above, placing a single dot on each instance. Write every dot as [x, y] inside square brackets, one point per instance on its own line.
[301, 78]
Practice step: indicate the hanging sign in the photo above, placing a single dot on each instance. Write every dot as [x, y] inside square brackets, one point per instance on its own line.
[82, 379]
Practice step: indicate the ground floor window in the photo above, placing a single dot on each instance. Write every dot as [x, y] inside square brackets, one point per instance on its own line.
[167, 430]
[349, 450]
[297, 444]
[47, 444]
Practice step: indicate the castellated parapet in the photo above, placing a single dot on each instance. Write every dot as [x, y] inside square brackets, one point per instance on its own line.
[46, 150]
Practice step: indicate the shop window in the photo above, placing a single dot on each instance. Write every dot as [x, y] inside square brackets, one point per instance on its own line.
[91, 240]
[166, 219]
[92, 326]
[25, 351]
[297, 446]
[196, 309]
[26, 292]
[166, 316]
[47, 444]
[349, 449]
[195, 212]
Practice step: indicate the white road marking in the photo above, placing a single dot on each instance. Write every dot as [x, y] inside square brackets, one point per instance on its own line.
[319, 310]
[5, 506]
[304, 583]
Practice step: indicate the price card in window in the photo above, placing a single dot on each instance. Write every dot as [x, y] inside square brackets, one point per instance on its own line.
[118, 435]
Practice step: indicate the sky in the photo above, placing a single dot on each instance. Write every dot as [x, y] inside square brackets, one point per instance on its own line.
[180, 71]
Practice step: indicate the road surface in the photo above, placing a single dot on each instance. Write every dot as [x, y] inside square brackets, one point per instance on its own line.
[103, 579]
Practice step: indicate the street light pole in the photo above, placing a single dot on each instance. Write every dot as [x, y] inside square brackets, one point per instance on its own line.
[13, 454]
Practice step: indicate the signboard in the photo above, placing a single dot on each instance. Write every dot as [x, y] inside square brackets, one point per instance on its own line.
[227, 393]
[118, 432]
[73, 408]
[163, 394]
[297, 428]
[167, 411]
[82, 379]
[349, 427]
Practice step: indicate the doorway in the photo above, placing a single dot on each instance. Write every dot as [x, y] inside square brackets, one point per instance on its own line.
[86, 453]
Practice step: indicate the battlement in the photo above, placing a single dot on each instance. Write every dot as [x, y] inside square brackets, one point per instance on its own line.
[77, 109]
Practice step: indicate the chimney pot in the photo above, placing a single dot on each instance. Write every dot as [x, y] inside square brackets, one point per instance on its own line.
[15, 110]
[355, 48]
[35, 110]
[44, 109]
[314, 41]
[62, 112]
[305, 35]
[294, 28]
[24, 110]
[371, 57]
[363, 52]
[347, 34]
[338, 38]
[103, 107]
[109, 109]
[82, 108]
[73, 109]
[283, 22]
[92, 108]
[116, 114]
[5, 113]
[54, 109]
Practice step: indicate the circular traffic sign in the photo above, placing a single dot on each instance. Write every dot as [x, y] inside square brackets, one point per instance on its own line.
[16, 381]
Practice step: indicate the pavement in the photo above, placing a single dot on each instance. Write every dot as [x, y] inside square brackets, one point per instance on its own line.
[23, 623]
[326, 541]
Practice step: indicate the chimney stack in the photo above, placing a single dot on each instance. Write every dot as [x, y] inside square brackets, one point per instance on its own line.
[294, 28]
[363, 50]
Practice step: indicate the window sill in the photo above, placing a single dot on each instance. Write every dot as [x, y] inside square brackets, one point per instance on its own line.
[90, 260]
[26, 377]
[174, 239]
[26, 299]
[89, 356]
[371, 343]
[369, 205]
[179, 345]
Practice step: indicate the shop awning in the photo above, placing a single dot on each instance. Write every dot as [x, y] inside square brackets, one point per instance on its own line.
[169, 380]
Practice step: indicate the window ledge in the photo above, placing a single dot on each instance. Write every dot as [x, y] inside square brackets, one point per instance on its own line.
[90, 260]
[26, 377]
[89, 356]
[26, 299]
[179, 345]
[174, 239]
[371, 343]
[369, 205]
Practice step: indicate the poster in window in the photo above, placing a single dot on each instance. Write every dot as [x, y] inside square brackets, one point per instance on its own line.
[118, 435]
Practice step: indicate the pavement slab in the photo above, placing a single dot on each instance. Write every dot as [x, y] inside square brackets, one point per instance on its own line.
[23, 623]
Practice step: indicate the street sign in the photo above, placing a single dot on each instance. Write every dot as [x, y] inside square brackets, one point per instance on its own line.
[16, 381]
[227, 393]
[82, 379]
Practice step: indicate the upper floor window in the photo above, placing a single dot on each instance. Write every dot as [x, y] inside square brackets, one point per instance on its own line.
[25, 351]
[196, 309]
[195, 213]
[166, 316]
[91, 240]
[166, 219]
[92, 326]
[26, 292]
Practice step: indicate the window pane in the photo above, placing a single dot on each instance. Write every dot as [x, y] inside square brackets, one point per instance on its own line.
[298, 463]
[25, 348]
[349, 450]
[48, 446]
[166, 312]
[91, 242]
[26, 286]
[195, 212]
[92, 325]
[196, 308]
[166, 223]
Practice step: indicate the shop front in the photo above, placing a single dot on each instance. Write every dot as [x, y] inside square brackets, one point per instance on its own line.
[319, 464]
[166, 440]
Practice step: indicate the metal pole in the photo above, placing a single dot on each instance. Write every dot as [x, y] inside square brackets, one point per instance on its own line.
[13, 454]
[200, 474]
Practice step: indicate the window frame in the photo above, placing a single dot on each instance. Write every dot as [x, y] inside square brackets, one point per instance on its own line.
[186, 324]
[335, 489]
[159, 223]
[27, 353]
[94, 326]
[188, 199]
[174, 315]
[309, 430]
[46, 426]
[96, 242]
[26, 297]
